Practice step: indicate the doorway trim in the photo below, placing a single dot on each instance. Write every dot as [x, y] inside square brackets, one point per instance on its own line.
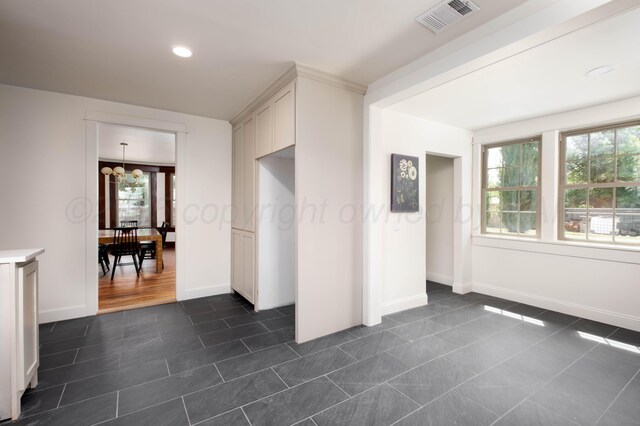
[93, 119]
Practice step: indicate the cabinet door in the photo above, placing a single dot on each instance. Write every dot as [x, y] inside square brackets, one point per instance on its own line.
[28, 358]
[284, 118]
[264, 130]
[237, 217]
[237, 255]
[249, 175]
[248, 267]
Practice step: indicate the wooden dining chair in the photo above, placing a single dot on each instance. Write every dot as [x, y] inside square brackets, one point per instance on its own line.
[103, 258]
[125, 243]
[148, 248]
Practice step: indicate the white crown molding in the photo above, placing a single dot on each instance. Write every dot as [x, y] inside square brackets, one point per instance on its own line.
[296, 70]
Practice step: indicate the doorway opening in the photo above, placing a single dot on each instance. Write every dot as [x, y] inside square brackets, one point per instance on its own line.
[440, 214]
[276, 266]
[136, 217]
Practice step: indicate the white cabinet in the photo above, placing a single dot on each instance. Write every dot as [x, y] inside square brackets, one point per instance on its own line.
[243, 263]
[276, 122]
[19, 354]
[284, 118]
[243, 194]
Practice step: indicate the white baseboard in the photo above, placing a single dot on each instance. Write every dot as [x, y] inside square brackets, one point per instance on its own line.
[462, 288]
[194, 293]
[440, 278]
[62, 314]
[404, 304]
[595, 314]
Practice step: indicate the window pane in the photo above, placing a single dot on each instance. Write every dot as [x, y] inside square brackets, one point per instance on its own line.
[511, 177]
[601, 223]
[629, 168]
[628, 214]
[575, 214]
[509, 201]
[577, 167]
[628, 140]
[494, 178]
[602, 143]
[133, 200]
[510, 223]
[602, 169]
[493, 222]
[527, 201]
[494, 158]
[529, 164]
[528, 224]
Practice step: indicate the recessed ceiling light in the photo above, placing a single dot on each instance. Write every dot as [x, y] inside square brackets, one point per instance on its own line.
[183, 52]
[600, 70]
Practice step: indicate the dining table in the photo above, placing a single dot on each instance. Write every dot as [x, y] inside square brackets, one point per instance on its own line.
[105, 236]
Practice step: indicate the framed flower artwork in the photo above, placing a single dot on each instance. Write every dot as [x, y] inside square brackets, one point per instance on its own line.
[404, 183]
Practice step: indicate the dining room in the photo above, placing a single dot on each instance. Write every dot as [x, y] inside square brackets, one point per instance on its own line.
[136, 229]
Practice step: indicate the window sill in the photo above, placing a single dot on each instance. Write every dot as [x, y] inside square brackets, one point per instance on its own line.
[594, 251]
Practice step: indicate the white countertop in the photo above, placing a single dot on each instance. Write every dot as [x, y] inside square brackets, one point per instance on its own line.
[19, 255]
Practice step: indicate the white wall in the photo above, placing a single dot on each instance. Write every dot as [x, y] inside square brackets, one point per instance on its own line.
[596, 282]
[402, 265]
[328, 198]
[276, 232]
[439, 213]
[42, 166]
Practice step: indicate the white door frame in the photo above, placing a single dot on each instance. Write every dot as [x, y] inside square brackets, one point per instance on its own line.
[93, 120]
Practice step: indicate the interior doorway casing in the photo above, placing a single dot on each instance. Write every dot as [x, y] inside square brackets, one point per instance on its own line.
[93, 120]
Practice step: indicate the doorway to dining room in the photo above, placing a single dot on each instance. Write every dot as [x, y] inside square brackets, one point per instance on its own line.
[137, 195]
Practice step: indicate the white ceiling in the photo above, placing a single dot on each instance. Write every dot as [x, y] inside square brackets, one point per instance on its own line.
[545, 80]
[120, 49]
[145, 146]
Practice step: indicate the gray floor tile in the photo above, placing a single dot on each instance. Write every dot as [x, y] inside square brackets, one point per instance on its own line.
[78, 371]
[627, 404]
[556, 318]
[159, 350]
[216, 315]
[423, 350]
[626, 336]
[366, 374]
[568, 343]
[526, 310]
[57, 360]
[38, 401]
[455, 302]
[450, 409]
[151, 393]
[205, 356]
[539, 363]
[485, 354]
[255, 361]
[419, 329]
[439, 295]
[232, 418]
[429, 381]
[96, 351]
[612, 419]
[250, 317]
[372, 345]
[287, 310]
[619, 352]
[499, 389]
[295, 404]
[272, 338]
[219, 399]
[593, 327]
[461, 316]
[363, 330]
[63, 334]
[579, 400]
[278, 323]
[80, 342]
[87, 413]
[169, 413]
[604, 370]
[198, 308]
[312, 366]
[222, 336]
[530, 414]
[322, 343]
[113, 381]
[421, 312]
[207, 327]
[379, 406]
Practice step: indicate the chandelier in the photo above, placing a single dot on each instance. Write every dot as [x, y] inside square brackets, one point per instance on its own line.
[119, 172]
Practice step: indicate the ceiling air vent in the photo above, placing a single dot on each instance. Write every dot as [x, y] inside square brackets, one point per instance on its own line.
[446, 14]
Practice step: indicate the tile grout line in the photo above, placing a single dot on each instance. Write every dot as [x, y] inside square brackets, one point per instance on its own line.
[336, 385]
[245, 415]
[184, 405]
[618, 396]
[216, 366]
[61, 394]
[278, 376]
[117, 403]
[248, 348]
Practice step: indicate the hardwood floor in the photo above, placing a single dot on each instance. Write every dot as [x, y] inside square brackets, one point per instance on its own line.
[127, 291]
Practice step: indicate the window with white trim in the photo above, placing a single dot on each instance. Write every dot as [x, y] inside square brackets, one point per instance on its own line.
[600, 185]
[511, 188]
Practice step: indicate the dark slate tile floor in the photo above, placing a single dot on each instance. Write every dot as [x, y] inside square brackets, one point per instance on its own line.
[463, 359]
